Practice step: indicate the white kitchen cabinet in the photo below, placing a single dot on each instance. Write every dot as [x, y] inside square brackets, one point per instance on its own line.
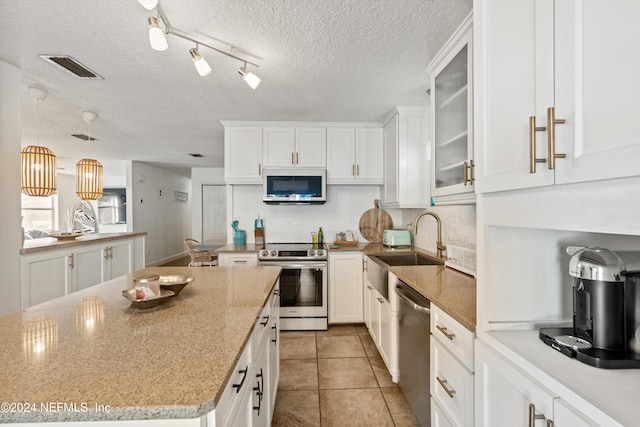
[572, 56]
[45, 276]
[260, 396]
[274, 352]
[383, 320]
[288, 146]
[452, 159]
[366, 294]
[88, 264]
[355, 155]
[242, 154]
[237, 259]
[565, 415]
[506, 396]
[438, 417]
[451, 366]
[406, 161]
[345, 287]
[54, 273]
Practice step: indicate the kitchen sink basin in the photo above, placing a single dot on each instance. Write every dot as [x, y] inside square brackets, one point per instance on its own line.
[378, 269]
[407, 259]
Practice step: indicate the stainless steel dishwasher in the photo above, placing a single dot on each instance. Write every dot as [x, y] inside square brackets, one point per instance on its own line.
[413, 354]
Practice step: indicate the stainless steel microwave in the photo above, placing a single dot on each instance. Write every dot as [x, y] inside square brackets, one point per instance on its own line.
[294, 186]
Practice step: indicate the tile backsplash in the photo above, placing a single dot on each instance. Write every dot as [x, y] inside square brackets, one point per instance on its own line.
[458, 226]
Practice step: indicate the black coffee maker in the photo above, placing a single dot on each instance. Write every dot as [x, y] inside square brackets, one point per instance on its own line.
[606, 309]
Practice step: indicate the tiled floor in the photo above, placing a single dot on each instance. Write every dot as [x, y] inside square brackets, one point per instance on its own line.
[336, 378]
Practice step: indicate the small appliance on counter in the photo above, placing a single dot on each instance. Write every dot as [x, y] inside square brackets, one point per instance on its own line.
[396, 238]
[258, 232]
[606, 309]
[239, 236]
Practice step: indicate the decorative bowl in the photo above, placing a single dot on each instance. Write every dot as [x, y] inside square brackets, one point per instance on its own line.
[143, 304]
[174, 282]
[65, 236]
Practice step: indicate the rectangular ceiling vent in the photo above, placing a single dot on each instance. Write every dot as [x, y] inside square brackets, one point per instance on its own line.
[83, 137]
[71, 65]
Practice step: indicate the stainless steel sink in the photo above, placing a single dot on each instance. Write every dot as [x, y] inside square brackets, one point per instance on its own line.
[407, 259]
[378, 269]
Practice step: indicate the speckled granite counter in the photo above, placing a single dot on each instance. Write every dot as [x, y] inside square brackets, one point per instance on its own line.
[49, 243]
[452, 291]
[93, 348]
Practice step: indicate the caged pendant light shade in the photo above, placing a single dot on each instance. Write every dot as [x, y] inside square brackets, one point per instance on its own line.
[89, 172]
[89, 181]
[38, 164]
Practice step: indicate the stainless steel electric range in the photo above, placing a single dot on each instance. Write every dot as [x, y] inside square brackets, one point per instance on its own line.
[303, 283]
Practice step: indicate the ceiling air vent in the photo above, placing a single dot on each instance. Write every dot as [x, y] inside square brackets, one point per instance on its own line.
[83, 137]
[71, 65]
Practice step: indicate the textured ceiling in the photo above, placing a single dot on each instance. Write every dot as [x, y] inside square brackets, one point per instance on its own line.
[320, 60]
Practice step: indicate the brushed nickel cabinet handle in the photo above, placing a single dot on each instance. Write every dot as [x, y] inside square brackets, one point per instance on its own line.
[443, 383]
[533, 416]
[353, 170]
[532, 144]
[297, 159]
[358, 170]
[259, 169]
[549, 423]
[551, 137]
[292, 159]
[445, 332]
[73, 261]
[464, 172]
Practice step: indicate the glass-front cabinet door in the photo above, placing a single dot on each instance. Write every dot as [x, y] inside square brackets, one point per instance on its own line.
[451, 109]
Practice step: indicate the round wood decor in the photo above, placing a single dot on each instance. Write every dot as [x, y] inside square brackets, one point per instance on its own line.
[373, 222]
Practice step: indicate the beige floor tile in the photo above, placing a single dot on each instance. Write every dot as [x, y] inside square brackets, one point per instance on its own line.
[298, 334]
[362, 330]
[297, 408]
[340, 346]
[363, 407]
[369, 346]
[399, 408]
[381, 372]
[297, 347]
[298, 374]
[345, 373]
[338, 330]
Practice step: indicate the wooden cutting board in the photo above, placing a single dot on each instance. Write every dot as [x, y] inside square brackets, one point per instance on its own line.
[373, 222]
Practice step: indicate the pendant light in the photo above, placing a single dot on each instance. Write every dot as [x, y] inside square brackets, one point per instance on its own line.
[38, 163]
[157, 40]
[89, 184]
[200, 63]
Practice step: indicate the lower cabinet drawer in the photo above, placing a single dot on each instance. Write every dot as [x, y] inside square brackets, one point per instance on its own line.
[438, 418]
[455, 337]
[451, 385]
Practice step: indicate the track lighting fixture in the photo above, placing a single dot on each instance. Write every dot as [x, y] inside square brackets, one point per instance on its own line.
[251, 79]
[156, 36]
[158, 41]
[148, 4]
[201, 64]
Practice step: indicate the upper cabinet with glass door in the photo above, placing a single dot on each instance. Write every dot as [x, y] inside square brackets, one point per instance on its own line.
[452, 118]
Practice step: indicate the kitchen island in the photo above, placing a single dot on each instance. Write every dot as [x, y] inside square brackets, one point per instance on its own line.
[92, 356]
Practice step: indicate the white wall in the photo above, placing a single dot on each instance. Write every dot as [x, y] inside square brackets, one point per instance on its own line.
[10, 84]
[166, 220]
[200, 177]
[294, 223]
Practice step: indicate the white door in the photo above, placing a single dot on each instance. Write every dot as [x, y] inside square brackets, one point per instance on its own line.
[597, 89]
[341, 151]
[513, 74]
[214, 201]
[369, 154]
[89, 266]
[311, 147]
[279, 147]
[120, 258]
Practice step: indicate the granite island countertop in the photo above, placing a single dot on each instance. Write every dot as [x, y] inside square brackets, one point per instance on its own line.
[93, 349]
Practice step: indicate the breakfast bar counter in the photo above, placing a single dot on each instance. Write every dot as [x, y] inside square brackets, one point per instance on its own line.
[92, 355]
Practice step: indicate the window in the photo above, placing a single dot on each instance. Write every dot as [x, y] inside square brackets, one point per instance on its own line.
[38, 212]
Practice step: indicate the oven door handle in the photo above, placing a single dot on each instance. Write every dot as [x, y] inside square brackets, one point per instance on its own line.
[289, 266]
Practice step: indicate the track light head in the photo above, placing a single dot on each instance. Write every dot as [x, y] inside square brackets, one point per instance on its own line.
[201, 64]
[251, 79]
[148, 4]
[157, 38]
